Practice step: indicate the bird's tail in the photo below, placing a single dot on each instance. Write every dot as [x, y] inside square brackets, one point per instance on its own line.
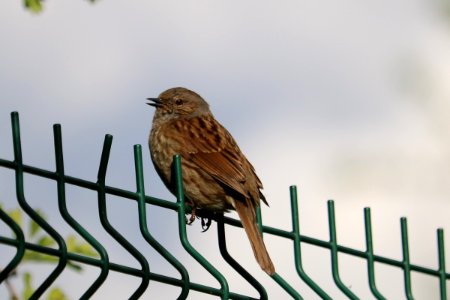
[247, 215]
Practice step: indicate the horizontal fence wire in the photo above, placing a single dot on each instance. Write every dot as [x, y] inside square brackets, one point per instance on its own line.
[183, 282]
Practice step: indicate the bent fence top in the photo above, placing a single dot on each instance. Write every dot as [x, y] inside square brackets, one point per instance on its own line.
[64, 257]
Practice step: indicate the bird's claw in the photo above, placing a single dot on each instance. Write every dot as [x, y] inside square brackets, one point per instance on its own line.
[206, 223]
[192, 217]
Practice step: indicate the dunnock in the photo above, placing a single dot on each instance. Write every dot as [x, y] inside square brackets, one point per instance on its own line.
[216, 175]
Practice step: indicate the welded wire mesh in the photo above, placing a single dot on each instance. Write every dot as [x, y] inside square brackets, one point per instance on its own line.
[183, 282]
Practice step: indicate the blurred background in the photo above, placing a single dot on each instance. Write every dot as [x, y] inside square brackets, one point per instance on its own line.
[348, 100]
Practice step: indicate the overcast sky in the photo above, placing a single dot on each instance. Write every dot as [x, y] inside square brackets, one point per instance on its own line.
[348, 100]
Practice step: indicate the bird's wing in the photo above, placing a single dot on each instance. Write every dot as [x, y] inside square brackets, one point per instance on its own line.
[214, 150]
[223, 168]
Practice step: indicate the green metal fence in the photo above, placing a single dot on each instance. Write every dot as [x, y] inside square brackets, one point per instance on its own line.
[184, 282]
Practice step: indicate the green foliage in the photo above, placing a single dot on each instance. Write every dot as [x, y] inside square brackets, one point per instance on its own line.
[46, 241]
[16, 215]
[56, 294]
[36, 235]
[27, 286]
[80, 247]
[35, 6]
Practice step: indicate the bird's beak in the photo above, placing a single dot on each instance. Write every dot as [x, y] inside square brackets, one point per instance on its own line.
[156, 102]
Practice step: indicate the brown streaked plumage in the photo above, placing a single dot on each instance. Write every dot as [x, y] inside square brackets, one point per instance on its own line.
[216, 175]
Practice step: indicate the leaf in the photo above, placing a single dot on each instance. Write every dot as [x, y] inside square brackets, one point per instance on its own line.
[74, 266]
[34, 228]
[16, 215]
[30, 256]
[71, 242]
[79, 246]
[57, 294]
[34, 6]
[87, 249]
[46, 241]
[39, 257]
[28, 289]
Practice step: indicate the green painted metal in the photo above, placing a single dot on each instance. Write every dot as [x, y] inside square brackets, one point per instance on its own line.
[297, 247]
[145, 202]
[70, 220]
[233, 263]
[144, 228]
[334, 253]
[370, 255]
[224, 291]
[20, 239]
[406, 262]
[145, 268]
[20, 193]
[441, 254]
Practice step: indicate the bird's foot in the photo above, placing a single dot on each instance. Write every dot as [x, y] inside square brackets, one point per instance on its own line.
[206, 223]
[192, 217]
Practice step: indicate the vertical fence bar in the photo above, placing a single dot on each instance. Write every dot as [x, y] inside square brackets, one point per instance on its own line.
[297, 246]
[406, 263]
[259, 219]
[62, 251]
[334, 252]
[282, 282]
[144, 227]
[370, 256]
[233, 263]
[60, 179]
[101, 178]
[20, 245]
[441, 257]
[183, 234]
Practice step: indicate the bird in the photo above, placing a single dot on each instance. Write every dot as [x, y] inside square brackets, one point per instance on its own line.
[217, 177]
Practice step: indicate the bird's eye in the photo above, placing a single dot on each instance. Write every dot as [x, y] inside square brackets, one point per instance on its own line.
[178, 101]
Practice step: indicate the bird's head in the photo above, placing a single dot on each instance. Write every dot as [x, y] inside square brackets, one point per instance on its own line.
[179, 102]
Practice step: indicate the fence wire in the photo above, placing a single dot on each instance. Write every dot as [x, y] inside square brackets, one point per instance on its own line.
[183, 282]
